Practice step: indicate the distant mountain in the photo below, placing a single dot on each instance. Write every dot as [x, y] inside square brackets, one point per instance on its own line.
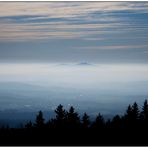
[75, 64]
[84, 64]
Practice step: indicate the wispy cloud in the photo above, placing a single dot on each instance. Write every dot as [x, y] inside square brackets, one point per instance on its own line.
[44, 20]
[114, 47]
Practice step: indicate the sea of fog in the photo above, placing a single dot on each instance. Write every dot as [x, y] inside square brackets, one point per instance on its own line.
[106, 88]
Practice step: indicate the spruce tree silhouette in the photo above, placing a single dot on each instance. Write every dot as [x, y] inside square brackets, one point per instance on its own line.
[135, 115]
[145, 111]
[135, 112]
[39, 120]
[129, 111]
[60, 117]
[128, 116]
[144, 114]
[73, 119]
[99, 122]
[132, 116]
[85, 121]
[116, 122]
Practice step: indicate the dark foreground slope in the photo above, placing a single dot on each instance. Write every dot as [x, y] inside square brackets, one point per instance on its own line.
[68, 129]
[23, 137]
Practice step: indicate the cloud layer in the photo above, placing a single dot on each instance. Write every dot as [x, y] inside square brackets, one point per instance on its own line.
[74, 31]
[45, 20]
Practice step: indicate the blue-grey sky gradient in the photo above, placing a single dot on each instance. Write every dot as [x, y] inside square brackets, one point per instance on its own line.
[97, 32]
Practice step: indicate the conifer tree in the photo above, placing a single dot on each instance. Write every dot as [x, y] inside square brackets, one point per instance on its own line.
[135, 112]
[99, 122]
[128, 116]
[39, 120]
[85, 121]
[144, 114]
[116, 121]
[145, 110]
[60, 116]
[73, 119]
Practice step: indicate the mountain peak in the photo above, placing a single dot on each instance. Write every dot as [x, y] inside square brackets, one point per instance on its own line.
[84, 63]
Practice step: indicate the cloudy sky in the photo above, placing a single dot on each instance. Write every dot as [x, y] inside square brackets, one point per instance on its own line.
[96, 32]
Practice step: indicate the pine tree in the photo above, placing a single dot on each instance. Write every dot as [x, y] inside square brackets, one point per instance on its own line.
[99, 122]
[132, 115]
[129, 111]
[144, 113]
[73, 119]
[116, 121]
[60, 116]
[39, 120]
[145, 110]
[85, 121]
[128, 116]
[135, 112]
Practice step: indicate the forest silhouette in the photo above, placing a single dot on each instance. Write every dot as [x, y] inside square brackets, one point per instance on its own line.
[69, 129]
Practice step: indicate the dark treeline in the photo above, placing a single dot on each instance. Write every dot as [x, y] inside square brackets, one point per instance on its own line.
[69, 129]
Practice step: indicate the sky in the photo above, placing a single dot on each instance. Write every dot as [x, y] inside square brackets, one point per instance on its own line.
[67, 32]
